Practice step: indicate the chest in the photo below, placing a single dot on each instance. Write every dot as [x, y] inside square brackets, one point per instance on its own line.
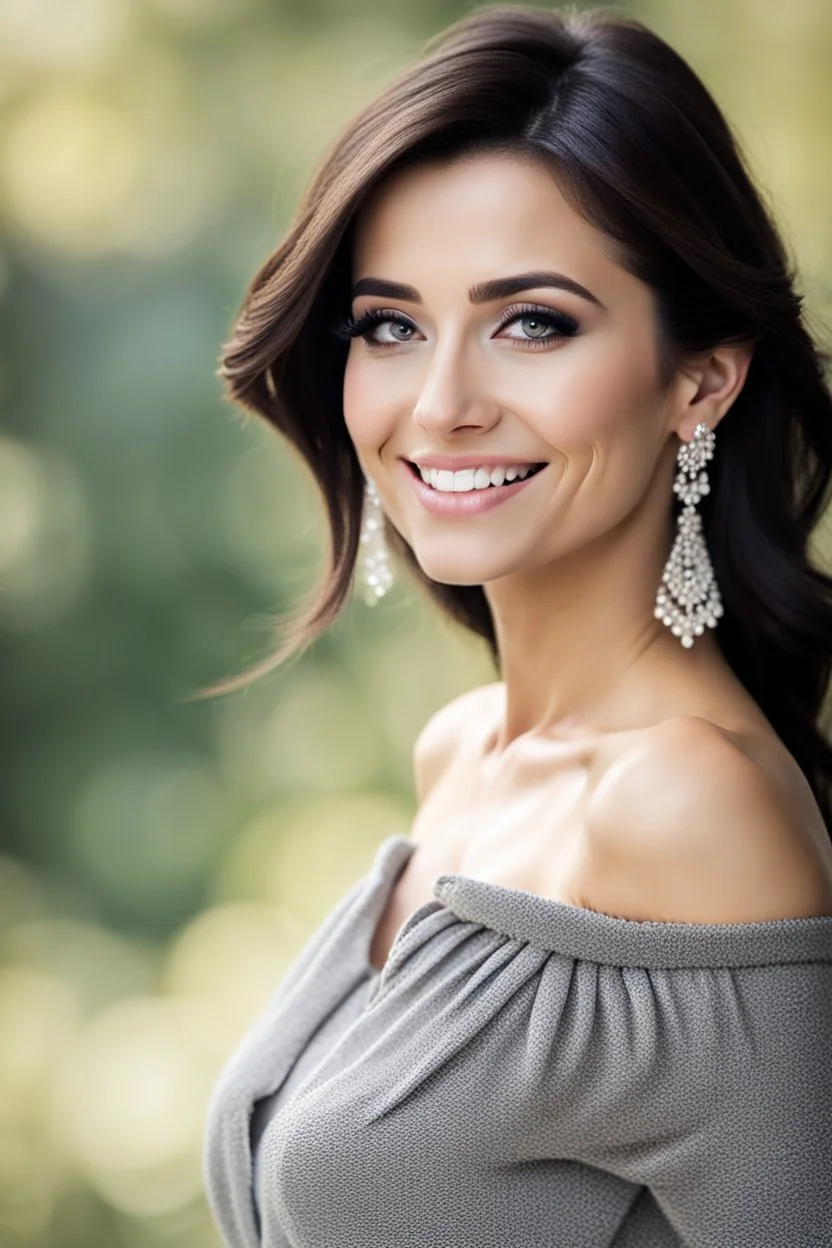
[521, 831]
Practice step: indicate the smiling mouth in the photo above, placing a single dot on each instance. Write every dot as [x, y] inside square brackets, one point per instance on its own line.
[472, 481]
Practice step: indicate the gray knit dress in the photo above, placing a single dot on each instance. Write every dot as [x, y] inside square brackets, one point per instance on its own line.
[524, 1073]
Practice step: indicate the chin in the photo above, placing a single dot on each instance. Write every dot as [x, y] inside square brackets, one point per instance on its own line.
[448, 579]
[446, 573]
[450, 562]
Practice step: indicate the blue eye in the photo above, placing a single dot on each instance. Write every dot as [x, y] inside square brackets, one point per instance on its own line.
[558, 323]
[563, 326]
[350, 327]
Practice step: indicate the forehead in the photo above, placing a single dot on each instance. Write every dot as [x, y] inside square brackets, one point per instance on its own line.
[483, 212]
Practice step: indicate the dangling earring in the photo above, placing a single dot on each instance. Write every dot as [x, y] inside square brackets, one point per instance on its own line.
[688, 597]
[375, 574]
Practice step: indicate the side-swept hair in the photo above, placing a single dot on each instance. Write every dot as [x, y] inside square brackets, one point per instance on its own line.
[641, 150]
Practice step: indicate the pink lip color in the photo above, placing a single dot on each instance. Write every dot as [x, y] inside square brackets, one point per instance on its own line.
[471, 503]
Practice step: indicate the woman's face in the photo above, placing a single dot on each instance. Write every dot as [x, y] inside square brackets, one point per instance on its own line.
[483, 383]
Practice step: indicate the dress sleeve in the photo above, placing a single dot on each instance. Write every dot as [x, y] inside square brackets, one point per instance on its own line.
[711, 1086]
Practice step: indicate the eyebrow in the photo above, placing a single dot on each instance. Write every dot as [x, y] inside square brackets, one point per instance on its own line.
[483, 292]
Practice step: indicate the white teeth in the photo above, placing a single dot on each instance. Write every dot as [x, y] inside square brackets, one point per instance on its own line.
[468, 479]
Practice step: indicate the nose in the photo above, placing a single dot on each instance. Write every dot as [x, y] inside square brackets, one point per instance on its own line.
[448, 402]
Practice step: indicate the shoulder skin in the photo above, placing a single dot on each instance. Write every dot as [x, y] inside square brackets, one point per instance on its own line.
[440, 737]
[687, 828]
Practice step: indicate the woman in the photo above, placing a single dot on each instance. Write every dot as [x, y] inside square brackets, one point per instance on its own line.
[534, 326]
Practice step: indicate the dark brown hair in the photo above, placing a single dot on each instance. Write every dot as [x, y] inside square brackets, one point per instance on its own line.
[641, 150]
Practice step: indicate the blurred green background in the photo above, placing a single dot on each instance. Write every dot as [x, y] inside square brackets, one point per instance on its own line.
[161, 861]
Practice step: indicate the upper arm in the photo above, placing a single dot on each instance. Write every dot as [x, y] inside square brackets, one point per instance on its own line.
[435, 745]
[689, 829]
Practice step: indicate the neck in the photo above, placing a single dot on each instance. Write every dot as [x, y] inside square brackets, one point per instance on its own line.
[581, 650]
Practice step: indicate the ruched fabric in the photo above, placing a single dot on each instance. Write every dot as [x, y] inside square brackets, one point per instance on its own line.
[524, 1073]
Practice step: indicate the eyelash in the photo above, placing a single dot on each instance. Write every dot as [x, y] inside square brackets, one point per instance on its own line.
[349, 327]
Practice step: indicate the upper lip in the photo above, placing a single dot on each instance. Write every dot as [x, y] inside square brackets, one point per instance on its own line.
[455, 463]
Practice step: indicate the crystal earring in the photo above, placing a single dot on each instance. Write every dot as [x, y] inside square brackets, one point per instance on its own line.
[688, 598]
[375, 574]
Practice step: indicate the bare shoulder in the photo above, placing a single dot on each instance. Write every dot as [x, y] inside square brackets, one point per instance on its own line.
[687, 826]
[440, 738]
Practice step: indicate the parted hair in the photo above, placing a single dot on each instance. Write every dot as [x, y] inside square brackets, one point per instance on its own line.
[642, 151]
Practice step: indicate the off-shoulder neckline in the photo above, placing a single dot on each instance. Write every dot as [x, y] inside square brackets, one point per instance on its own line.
[590, 935]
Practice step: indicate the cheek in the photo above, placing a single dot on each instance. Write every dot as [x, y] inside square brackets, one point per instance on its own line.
[606, 390]
[366, 414]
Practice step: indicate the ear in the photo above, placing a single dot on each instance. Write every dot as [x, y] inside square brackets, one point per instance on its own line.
[713, 384]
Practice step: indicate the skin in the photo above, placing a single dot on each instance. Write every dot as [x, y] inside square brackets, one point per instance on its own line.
[571, 564]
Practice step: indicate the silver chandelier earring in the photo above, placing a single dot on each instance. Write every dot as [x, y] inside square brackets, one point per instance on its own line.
[688, 597]
[375, 573]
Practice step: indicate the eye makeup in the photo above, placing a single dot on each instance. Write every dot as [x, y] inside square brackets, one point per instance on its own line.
[559, 323]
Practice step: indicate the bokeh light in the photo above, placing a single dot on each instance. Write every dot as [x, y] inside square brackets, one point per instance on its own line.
[64, 34]
[69, 164]
[45, 537]
[145, 830]
[129, 1102]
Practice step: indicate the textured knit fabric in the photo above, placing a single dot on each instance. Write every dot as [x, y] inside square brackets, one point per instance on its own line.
[525, 1073]
[319, 1044]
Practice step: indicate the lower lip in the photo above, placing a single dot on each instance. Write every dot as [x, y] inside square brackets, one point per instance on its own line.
[469, 503]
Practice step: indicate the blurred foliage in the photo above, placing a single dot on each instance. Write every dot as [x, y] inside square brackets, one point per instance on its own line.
[162, 862]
